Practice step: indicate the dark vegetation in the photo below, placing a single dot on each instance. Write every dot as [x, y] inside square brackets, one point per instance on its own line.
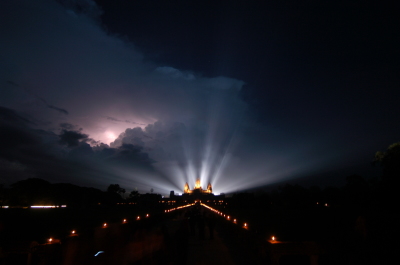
[353, 224]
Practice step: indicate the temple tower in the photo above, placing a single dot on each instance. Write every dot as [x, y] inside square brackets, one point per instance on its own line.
[197, 188]
[209, 188]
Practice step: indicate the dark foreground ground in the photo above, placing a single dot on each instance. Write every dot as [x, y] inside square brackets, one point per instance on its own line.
[192, 235]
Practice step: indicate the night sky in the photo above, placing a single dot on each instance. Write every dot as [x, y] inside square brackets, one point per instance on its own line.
[151, 94]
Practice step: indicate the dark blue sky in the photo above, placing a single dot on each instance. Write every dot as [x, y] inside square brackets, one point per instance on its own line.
[310, 68]
[152, 94]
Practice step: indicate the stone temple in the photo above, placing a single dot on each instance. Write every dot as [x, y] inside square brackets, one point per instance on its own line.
[197, 189]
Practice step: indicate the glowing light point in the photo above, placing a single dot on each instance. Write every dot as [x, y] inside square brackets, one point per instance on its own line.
[50, 240]
[110, 136]
[124, 221]
[98, 253]
[138, 218]
[147, 215]
[104, 225]
[273, 238]
[73, 232]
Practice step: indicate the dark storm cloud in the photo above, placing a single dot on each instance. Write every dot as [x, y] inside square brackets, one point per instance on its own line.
[60, 110]
[29, 152]
[8, 115]
[87, 7]
[89, 74]
[20, 144]
[113, 119]
[12, 83]
[72, 138]
[63, 111]
[193, 122]
[68, 126]
[85, 88]
[126, 121]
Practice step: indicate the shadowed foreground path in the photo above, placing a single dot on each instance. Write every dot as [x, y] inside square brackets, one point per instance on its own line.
[191, 248]
[179, 238]
[208, 251]
[228, 246]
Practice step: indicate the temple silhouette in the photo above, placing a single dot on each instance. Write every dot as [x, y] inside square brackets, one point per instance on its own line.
[197, 193]
[197, 189]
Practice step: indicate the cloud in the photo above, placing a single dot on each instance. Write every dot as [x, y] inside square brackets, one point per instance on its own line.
[68, 157]
[126, 121]
[72, 62]
[175, 73]
[72, 138]
[86, 7]
[63, 111]
[119, 118]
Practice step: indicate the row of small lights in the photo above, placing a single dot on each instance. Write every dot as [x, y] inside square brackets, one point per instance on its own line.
[124, 221]
[245, 225]
[179, 207]
[37, 206]
[219, 202]
[105, 225]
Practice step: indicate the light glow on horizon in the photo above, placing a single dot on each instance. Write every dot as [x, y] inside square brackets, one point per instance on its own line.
[47, 206]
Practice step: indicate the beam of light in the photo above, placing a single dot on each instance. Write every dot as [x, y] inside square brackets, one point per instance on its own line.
[172, 168]
[207, 149]
[212, 153]
[143, 180]
[191, 174]
[261, 173]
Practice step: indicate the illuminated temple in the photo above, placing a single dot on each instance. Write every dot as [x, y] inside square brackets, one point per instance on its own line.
[197, 189]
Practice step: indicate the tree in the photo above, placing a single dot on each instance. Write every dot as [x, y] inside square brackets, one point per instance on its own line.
[357, 191]
[2, 192]
[31, 191]
[115, 188]
[390, 162]
[134, 194]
